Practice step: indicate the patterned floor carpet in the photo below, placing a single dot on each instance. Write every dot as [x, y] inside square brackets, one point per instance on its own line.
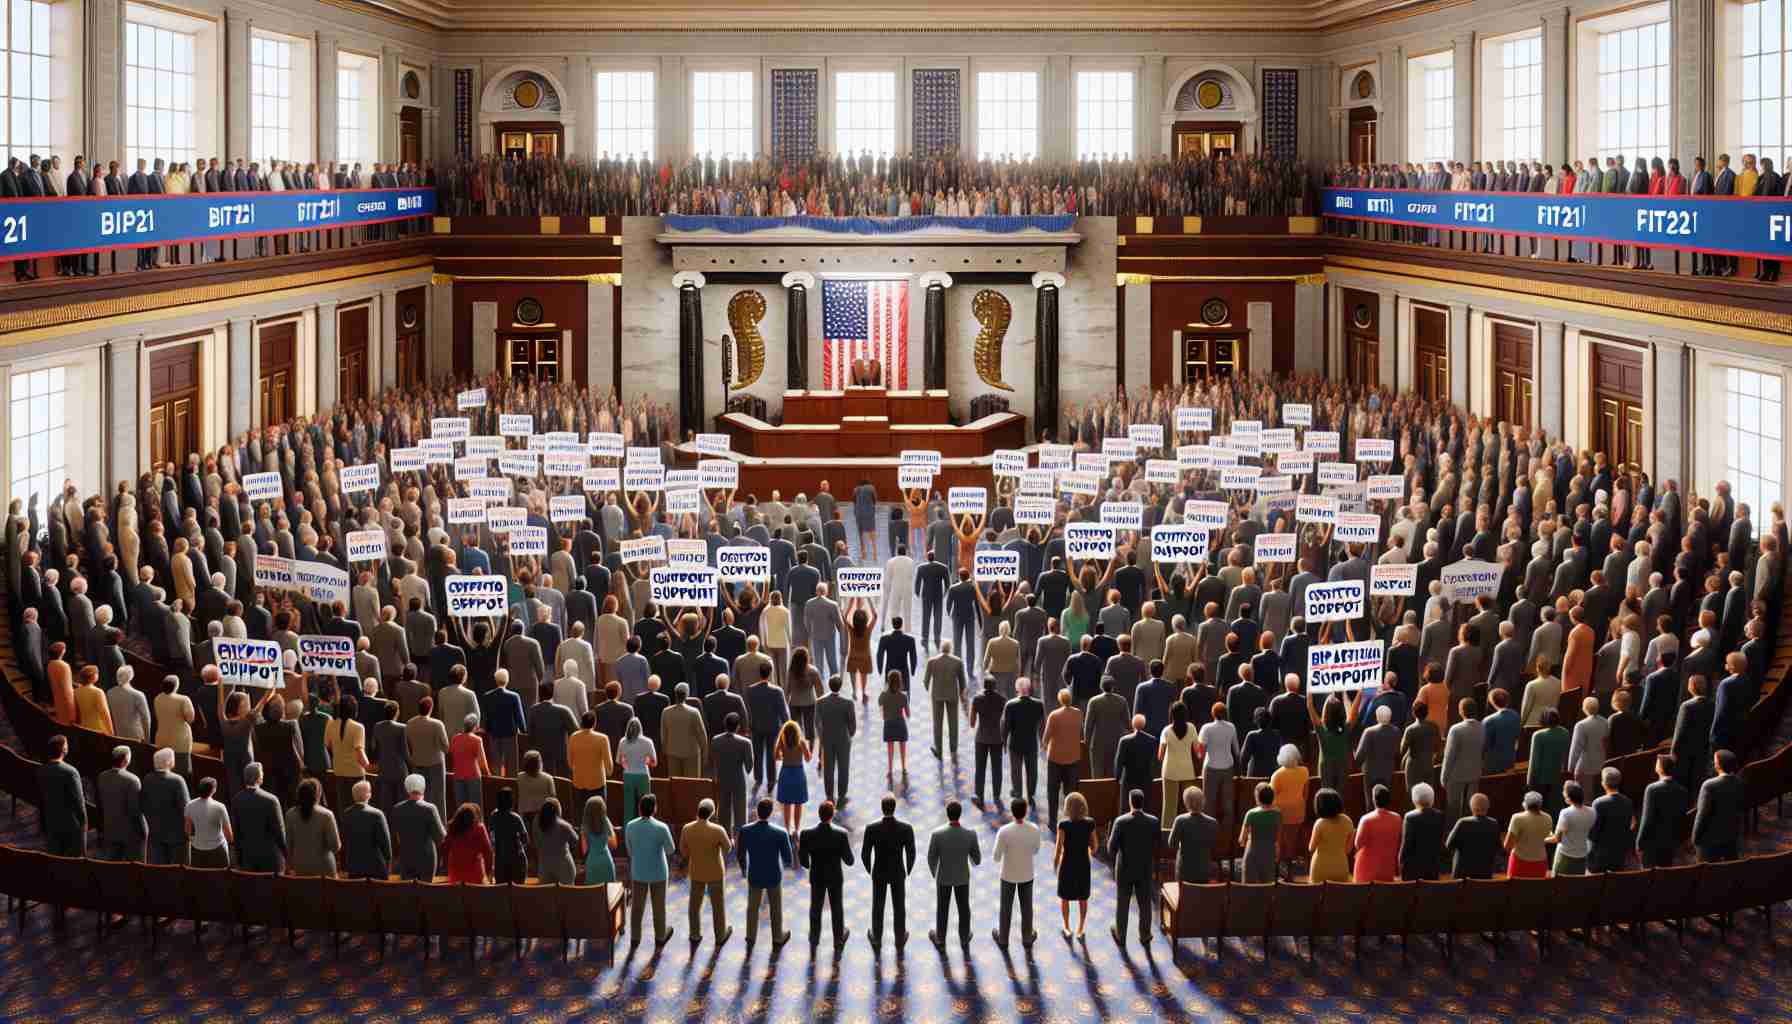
[69, 977]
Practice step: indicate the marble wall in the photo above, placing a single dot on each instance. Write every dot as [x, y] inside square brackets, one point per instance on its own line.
[1088, 318]
[1018, 346]
[649, 343]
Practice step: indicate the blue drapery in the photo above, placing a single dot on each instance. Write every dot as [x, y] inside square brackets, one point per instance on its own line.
[869, 225]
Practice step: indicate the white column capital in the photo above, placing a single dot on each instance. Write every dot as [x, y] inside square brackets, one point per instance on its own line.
[1048, 278]
[244, 320]
[933, 277]
[796, 279]
[325, 306]
[127, 344]
[690, 277]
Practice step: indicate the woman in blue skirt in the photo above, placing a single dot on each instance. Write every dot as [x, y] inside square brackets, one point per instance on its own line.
[793, 782]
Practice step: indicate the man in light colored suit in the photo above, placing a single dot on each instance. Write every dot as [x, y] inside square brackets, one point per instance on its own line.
[1586, 748]
[123, 829]
[388, 642]
[822, 624]
[682, 737]
[522, 657]
[837, 721]
[1048, 659]
[952, 851]
[945, 681]
[1463, 752]
[899, 586]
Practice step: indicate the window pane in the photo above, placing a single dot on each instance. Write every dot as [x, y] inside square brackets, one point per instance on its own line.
[1007, 115]
[723, 113]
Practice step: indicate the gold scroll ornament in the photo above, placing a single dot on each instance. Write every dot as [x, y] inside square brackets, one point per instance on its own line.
[992, 310]
[745, 311]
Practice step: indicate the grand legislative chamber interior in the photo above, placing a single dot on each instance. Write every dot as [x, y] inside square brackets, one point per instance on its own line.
[1295, 493]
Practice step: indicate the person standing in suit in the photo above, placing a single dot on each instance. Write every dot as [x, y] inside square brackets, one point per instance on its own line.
[705, 846]
[165, 802]
[1723, 184]
[888, 853]
[366, 838]
[1132, 843]
[952, 850]
[258, 824]
[1463, 757]
[825, 851]
[123, 829]
[63, 813]
[1664, 808]
[417, 826]
[1016, 849]
[1723, 804]
[731, 754]
[1422, 836]
[945, 683]
[837, 721]
[1692, 734]
[1614, 820]
[1023, 723]
[764, 852]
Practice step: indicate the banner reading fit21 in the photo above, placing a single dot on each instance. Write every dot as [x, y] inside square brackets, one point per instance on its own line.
[51, 227]
[1742, 226]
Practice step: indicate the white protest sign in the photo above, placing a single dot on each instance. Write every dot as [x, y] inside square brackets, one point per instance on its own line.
[1084, 541]
[327, 656]
[1193, 419]
[1007, 462]
[491, 489]
[1470, 579]
[1119, 449]
[466, 510]
[1275, 548]
[483, 444]
[518, 463]
[913, 476]
[683, 480]
[921, 457]
[744, 563]
[1275, 483]
[1335, 602]
[713, 444]
[470, 467]
[642, 549]
[1277, 441]
[566, 508]
[273, 573]
[1280, 501]
[1039, 481]
[1297, 414]
[450, 428]
[604, 445]
[1357, 528]
[1194, 456]
[565, 464]
[1393, 580]
[687, 551]
[1124, 515]
[967, 501]
[1209, 515]
[1332, 474]
[366, 545]
[262, 486]
[406, 460]
[473, 398]
[359, 478]
[1079, 483]
[1172, 544]
[643, 477]
[686, 586]
[474, 596]
[1056, 456]
[1033, 510]
[501, 519]
[719, 474]
[1146, 435]
[1251, 430]
[1316, 508]
[1386, 486]
[516, 424]
[1239, 478]
[643, 456]
[860, 581]
[1162, 471]
[1374, 449]
[437, 451]
[563, 440]
[995, 565]
[1337, 668]
[321, 581]
[684, 502]
[1295, 463]
[601, 479]
[1320, 442]
[1093, 463]
[256, 663]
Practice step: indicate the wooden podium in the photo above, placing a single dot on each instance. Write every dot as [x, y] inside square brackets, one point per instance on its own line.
[898, 407]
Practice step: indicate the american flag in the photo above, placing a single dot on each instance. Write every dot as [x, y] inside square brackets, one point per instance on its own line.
[864, 319]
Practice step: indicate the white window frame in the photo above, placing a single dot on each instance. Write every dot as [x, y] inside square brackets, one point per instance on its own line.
[1521, 97]
[357, 115]
[30, 104]
[1015, 138]
[1762, 99]
[1106, 123]
[1631, 85]
[38, 409]
[1754, 424]
[273, 84]
[1431, 93]
[733, 127]
[632, 139]
[168, 113]
[863, 121]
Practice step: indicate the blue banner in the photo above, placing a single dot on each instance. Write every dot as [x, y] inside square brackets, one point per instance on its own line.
[870, 225]
[54, 226]
[1730, 225]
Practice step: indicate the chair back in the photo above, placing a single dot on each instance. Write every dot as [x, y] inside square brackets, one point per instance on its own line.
[1343, 905]
[488, 909]
[1390, 907]
[1247, 908]
[1434, 903]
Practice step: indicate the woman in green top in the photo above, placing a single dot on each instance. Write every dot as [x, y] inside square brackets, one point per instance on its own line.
[600, 839]
[1076, 620]
[1549, 753]
[1332, 726]
[1257, 835]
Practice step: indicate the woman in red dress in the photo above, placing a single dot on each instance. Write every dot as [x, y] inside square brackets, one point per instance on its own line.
[468, 848]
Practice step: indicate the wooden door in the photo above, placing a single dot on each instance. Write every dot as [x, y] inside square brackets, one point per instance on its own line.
[279, 351]
[410, 135]
[413, 358]
[1515, 382]
[1207, 356]
[174, 402]
[1431, 353]
[1362, 135]
[351, 354]
[1362, 338]
[1616, 390]
[533, 358]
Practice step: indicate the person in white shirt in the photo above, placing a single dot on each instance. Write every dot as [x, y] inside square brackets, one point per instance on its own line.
[1017, 846]
[569, 689]
[899, 586]
[208, 827]
[1574, 826]
[1218, 747]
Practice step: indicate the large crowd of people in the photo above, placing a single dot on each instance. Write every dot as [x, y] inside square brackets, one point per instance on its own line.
[842, 185]
[1628, 616]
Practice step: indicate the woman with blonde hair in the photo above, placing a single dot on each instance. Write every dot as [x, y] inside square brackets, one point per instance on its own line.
[793, 782]
[1071, 859]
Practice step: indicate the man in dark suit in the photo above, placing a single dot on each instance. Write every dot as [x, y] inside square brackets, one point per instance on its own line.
[888, 851]
[825, 851]
[138, 185]
[1692, 734]
[63, 812]
[1135, 759]
[1023, 723]
[1723, 802]
[1613, 817]
[896, 652]
[1132, 843]
[260, 829]
[1422, 836]
[366, 839]
[1664, 808]
[1474, 842]
[1771, 183]
[417, 827]
[1723, 184]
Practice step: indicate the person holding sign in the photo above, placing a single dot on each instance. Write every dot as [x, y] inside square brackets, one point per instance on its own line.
[861, 624]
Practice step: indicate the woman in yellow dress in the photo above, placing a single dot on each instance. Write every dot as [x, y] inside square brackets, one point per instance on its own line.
[1332, 836]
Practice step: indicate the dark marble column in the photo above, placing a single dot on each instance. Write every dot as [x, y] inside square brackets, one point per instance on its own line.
[690, 357]
[934, 350]
[1045, 362]
[796, 331]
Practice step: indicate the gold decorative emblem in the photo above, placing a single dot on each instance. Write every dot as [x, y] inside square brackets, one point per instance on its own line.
[1365, 85]
[1209, 95]
[745, 310]
[527, 94]
[412, 85]
[1215, 312]
[993, 311]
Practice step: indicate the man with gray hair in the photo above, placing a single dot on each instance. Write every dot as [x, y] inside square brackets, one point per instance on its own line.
[366, 841]
[1422, 836]
[122, 826]
[165, 810]
[417, 826]
[1614, 819]
[682, 735]
[1378, 752]
[129, 708]
[260, 828]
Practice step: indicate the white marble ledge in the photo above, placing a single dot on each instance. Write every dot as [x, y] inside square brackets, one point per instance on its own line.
[930, 236]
